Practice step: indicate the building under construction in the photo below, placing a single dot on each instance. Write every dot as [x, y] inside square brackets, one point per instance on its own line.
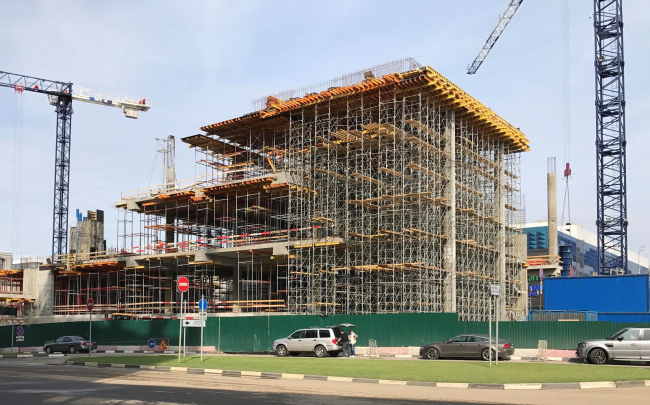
[386, 190]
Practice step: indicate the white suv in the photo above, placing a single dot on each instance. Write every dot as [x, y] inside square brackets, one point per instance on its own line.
[320, 341]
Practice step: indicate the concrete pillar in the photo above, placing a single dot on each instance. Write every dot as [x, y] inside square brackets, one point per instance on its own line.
[501, 215]
[169, 220]
[449, 225]
[551, 192]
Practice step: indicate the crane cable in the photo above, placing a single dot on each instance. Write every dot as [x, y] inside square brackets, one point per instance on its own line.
[566, 84]
[17, 172]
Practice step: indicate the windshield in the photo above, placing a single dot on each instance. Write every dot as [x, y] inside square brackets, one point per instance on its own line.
[617, 334]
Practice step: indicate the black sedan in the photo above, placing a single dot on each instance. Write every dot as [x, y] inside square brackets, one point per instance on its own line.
[474, 346]
[69, 344]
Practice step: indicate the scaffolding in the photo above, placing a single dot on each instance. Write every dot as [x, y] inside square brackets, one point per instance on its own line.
[382, 193]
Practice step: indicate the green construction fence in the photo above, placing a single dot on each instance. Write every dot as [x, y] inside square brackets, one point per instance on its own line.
[256, 333]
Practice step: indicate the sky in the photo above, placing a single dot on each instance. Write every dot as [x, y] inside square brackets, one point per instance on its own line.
[201, 62]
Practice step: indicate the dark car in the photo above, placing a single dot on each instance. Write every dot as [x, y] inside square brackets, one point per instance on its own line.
[474, 346]
[68, 344]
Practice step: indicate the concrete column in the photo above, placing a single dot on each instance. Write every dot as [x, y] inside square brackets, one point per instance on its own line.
[449, 225]
[501, 215]
[169, 220]
[551, 192]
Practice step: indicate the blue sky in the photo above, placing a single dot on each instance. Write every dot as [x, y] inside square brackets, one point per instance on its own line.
[203, 62]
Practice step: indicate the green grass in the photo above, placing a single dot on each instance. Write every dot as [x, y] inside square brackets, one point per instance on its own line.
[404, 370]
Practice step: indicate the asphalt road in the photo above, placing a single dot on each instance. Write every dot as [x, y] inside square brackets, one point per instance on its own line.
[49, 381]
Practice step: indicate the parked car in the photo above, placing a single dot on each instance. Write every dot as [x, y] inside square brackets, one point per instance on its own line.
[68, 344]
[475, 346]
[320, 341]
[626, 344]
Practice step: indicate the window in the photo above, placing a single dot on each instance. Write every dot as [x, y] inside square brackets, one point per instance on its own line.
[630, 334]
[299, 334]
[311, 334]
[646, 334]
[459, 339]
[59, 340]
[474, 339]
[67, 339]
[324, 333]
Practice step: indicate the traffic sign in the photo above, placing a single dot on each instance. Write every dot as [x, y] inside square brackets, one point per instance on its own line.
[495, 289]
[20, 338]
[152, 343]
[183, 284]
[91, 304]
[20, 331]
[193, 323]
[203, 304]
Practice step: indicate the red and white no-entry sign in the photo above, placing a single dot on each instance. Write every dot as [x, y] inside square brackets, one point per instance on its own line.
[183, 284]
[91, 304]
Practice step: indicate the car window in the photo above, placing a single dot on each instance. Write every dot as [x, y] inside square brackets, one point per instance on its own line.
[59, 340]
[298, 334]
[67, 339]
[459, 339]
[646, 334]
[311, 334]
[473, 339]
[630, 334]
[324, 333]
[617, 334]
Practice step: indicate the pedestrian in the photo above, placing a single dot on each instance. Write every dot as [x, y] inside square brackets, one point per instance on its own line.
[344, 341]
[353, 342]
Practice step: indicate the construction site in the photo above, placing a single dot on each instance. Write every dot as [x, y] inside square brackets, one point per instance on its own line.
[386, 190]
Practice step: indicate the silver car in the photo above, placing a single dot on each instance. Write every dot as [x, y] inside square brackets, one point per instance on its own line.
[626, 344]
[475, 346]
[320, 341]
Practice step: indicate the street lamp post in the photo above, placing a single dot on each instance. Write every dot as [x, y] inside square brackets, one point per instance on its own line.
[638, 260]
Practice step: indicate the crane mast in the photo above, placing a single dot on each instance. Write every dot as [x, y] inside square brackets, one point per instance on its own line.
[60, 95]
[494, 36]
[610, 136]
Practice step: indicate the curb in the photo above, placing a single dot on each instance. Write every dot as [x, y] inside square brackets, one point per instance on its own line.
[258, 374]
[26, 355]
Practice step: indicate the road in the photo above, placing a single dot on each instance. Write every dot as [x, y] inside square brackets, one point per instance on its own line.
[49, 381]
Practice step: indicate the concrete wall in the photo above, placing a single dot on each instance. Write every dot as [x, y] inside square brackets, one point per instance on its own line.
[88, 235]
[5, 261]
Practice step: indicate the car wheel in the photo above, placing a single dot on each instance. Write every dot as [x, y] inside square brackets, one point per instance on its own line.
[320, 351]
[598, 356]
[432, 353]
[333, 354]
[282, 351]
[72, 350]
[48, 350]
[485, 354]
[295, 354]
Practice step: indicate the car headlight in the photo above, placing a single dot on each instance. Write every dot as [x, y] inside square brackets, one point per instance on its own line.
[584, 345]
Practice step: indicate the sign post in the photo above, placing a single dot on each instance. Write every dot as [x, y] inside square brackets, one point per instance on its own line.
[12, 334]
[91, 304]
[183, 285]
[203, 306]
[495, 291]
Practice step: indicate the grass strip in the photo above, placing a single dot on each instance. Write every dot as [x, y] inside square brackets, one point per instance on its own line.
[403, 370]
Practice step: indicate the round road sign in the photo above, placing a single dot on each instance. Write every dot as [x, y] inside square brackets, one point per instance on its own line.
[20, 331]
[152, 343]
[183, 284]
[91, 304]
[203, 304]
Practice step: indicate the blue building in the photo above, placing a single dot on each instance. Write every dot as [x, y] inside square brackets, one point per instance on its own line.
[584, 257]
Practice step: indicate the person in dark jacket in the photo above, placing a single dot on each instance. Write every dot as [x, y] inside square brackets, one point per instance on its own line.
[344, 341]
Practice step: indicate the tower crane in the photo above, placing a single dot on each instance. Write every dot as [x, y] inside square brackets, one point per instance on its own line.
[60, 95]
[610, 136]
[494, 36]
